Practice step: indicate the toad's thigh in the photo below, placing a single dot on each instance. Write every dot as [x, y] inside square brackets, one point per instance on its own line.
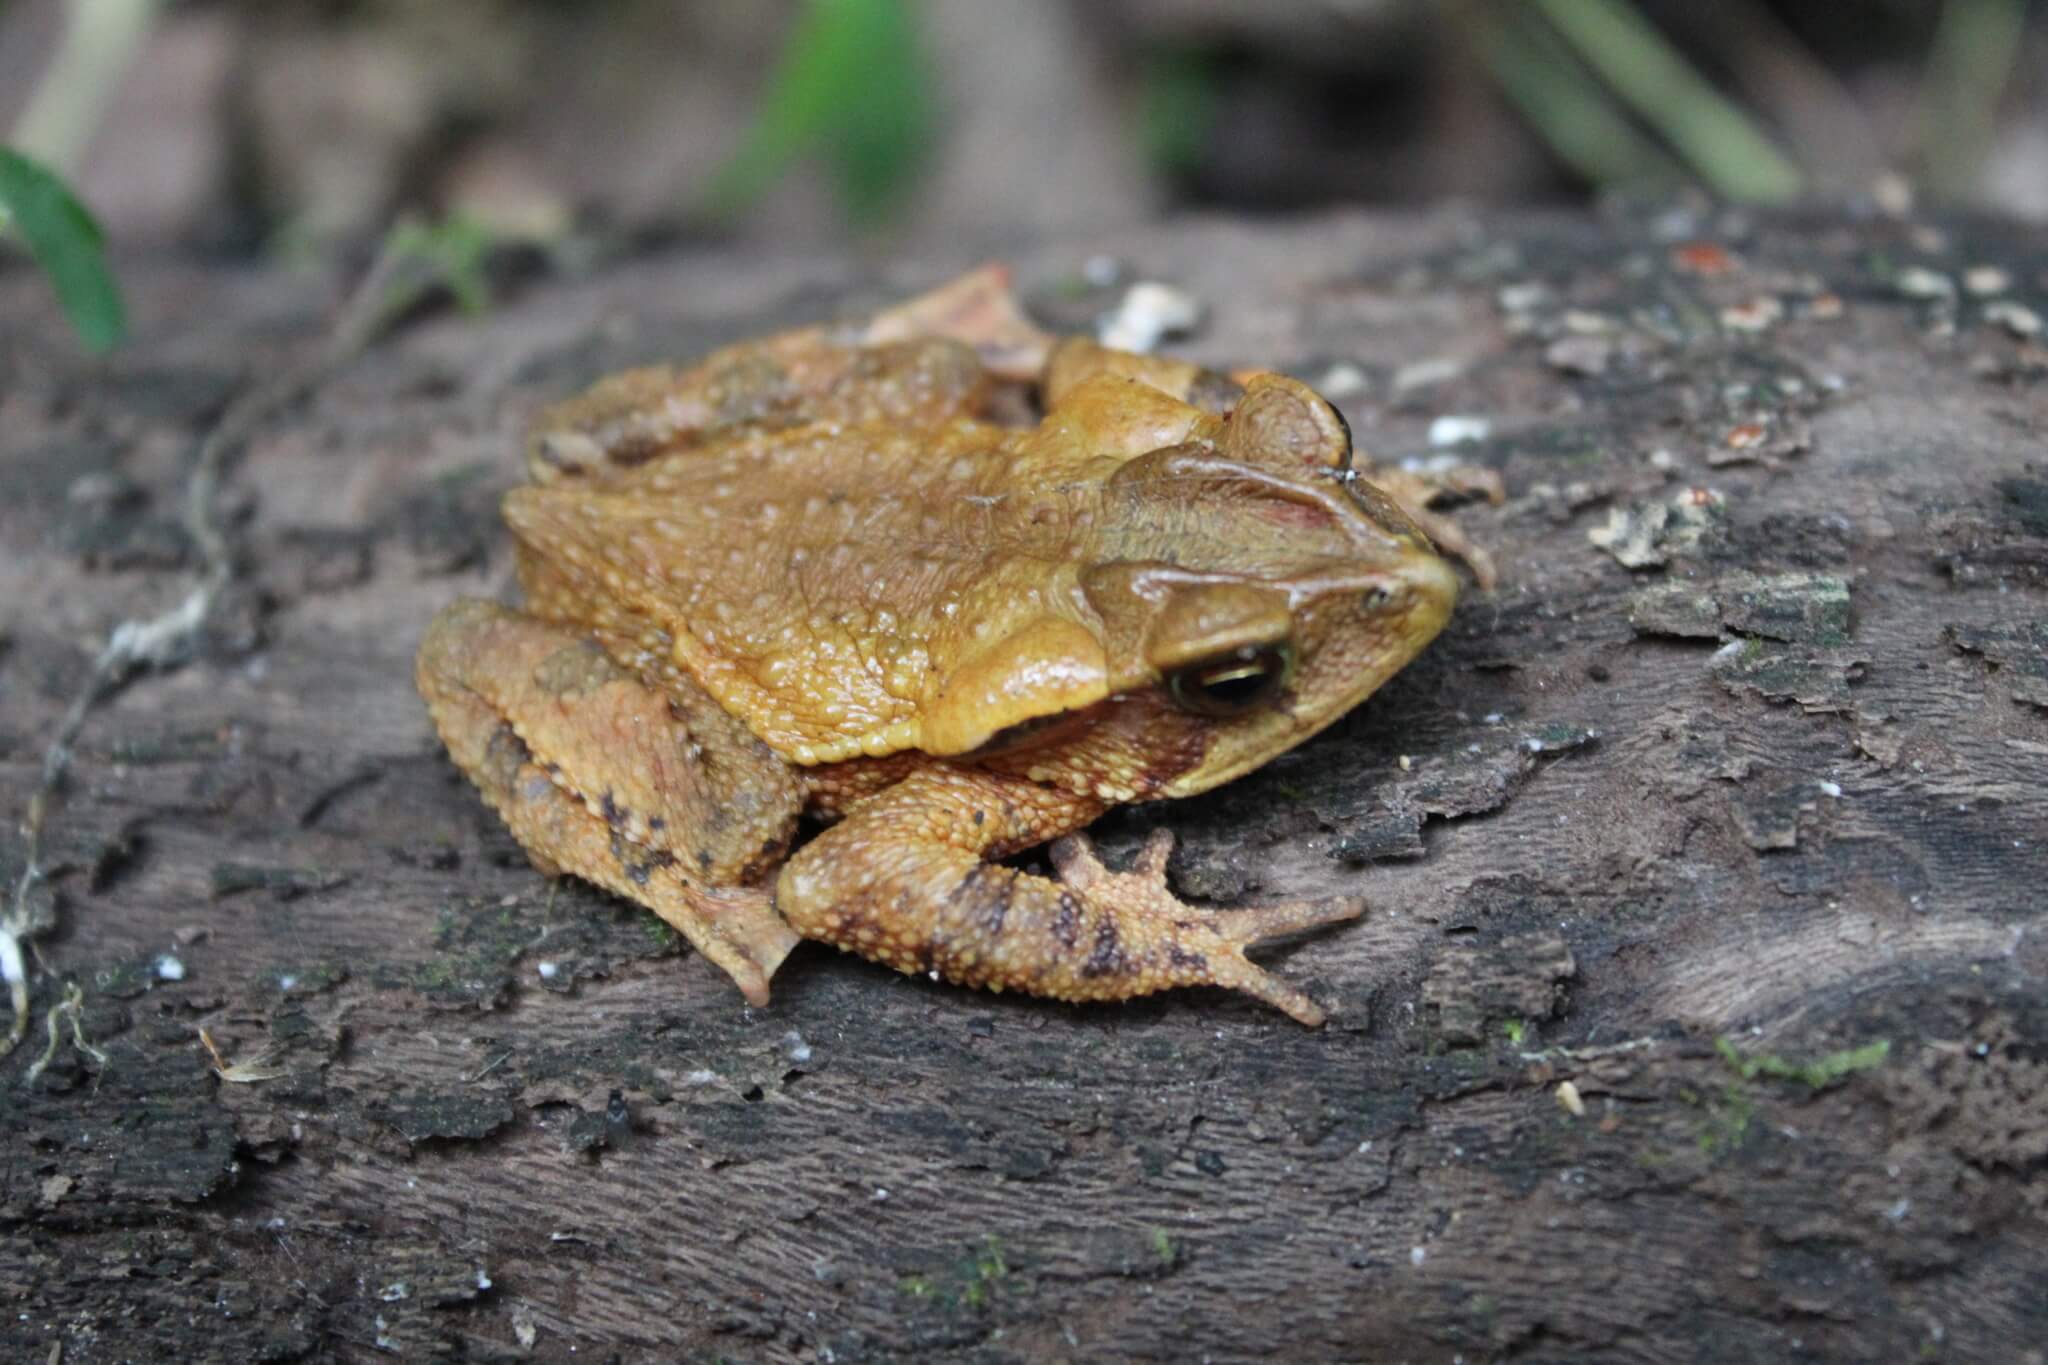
[663, 776]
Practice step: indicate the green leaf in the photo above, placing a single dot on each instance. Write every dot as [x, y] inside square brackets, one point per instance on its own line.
[1176, 108]
[66, 243]
[452, 254]
[851, 86]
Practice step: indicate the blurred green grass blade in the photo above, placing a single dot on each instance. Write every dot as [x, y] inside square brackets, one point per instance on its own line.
[1968, 66]
[101, 41]
[1176, 109]
[1564, 103]
[66, 243]
[1721, 144]
[851, 85]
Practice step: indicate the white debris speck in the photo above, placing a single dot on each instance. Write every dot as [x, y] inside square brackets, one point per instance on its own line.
[1407, 764]
[548, 970]
[880, 1196]
[483, 1278]
[1533, 745]
[701, 1076]
[1986, 279]
[1421, 374]
[1523, 296]
[1568, 1099]
[1756, 315]
[1417, 1255]
[1342, 380]
[169, 968]
[1897, 1212]
[1833, 789]
[396, 1290]
[1918, 282]
[1433, 466]
[1149, 313]
[2014, 316]
[1893, 194]
[287, 982]
[1492, 718]
[795, 1047]
[1454, 429]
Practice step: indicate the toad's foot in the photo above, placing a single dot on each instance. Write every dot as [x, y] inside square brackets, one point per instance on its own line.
[1218, 938]
[904, 879]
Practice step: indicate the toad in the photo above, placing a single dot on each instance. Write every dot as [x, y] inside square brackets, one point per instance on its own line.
[809, 581]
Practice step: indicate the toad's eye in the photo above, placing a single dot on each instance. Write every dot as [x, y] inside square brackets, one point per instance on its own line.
[1235, 684]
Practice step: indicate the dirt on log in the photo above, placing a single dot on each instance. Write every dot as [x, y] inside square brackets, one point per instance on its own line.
[1698, 1014]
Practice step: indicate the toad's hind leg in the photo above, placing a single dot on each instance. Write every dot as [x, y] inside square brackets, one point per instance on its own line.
[904, 880]
[657, 796]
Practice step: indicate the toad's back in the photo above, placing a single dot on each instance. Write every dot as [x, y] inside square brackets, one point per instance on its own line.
[820, 583]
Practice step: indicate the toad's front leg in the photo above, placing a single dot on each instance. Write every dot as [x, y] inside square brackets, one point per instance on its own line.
[905, 879]
[657, 795]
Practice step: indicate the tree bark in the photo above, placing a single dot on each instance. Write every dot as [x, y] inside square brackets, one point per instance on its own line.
[1698, 1012]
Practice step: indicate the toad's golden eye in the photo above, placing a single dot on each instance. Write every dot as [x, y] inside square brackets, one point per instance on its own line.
[1235, 684]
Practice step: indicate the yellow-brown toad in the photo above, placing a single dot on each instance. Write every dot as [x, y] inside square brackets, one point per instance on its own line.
[808, 576]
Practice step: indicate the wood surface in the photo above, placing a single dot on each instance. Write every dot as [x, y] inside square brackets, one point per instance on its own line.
[1698, 1014]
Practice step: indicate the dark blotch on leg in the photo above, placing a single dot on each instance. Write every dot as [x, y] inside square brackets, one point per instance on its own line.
[504, 755]
[992, 902]
[639, 863]
[1066, 926]
[1107, 957]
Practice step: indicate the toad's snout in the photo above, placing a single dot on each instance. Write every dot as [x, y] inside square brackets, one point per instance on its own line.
[1431, 587]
